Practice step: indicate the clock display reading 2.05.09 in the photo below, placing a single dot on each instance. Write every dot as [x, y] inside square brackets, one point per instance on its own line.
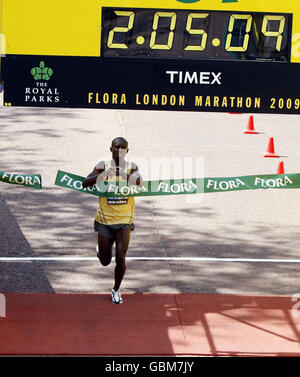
[194, 34]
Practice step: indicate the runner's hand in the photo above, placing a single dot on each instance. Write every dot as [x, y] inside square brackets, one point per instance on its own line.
[111, 172]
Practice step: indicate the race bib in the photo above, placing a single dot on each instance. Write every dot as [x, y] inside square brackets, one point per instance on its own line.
[116, 201]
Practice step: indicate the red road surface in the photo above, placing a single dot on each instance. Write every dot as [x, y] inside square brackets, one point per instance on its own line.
[149, 324]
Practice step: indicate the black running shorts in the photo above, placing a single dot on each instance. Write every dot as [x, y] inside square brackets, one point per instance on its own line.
[109, 230]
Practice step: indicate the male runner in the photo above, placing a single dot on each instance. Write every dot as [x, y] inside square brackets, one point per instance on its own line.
[115, 215]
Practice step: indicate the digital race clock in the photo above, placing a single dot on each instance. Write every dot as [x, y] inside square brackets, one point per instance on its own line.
[191, 34]
[182, 55]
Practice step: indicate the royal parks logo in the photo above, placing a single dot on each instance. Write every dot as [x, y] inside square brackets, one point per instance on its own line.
[41, 93]
[42, 72]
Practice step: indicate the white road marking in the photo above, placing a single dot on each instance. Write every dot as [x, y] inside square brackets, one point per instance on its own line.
[175, 259]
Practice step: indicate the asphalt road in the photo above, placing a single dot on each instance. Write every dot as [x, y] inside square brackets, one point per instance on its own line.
[55, 222]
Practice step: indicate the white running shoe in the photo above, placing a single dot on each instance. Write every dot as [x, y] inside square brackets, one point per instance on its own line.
[116, 297]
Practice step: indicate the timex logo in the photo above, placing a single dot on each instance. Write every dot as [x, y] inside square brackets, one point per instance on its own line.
[202, 78]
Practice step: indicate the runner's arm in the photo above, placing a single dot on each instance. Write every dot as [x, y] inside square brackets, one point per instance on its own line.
[91, 179]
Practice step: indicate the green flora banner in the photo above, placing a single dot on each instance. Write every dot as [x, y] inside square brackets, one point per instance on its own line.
[149, 188]
[181, 186]
[28, 180]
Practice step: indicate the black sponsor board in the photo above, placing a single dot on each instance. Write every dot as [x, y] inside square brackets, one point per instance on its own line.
[145, 84]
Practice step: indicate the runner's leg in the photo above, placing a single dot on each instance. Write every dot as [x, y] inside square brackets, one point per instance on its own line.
[122, 242]
[105, 245]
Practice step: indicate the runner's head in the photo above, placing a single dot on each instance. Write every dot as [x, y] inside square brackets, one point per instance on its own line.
[119, 148]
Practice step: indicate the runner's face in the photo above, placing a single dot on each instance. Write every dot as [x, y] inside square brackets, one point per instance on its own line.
[119, 150]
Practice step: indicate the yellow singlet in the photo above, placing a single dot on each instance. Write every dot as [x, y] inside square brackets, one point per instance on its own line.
[116, 210]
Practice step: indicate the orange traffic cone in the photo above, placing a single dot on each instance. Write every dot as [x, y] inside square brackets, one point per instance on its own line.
[280, 169]
[250, 127]
[271, 151]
